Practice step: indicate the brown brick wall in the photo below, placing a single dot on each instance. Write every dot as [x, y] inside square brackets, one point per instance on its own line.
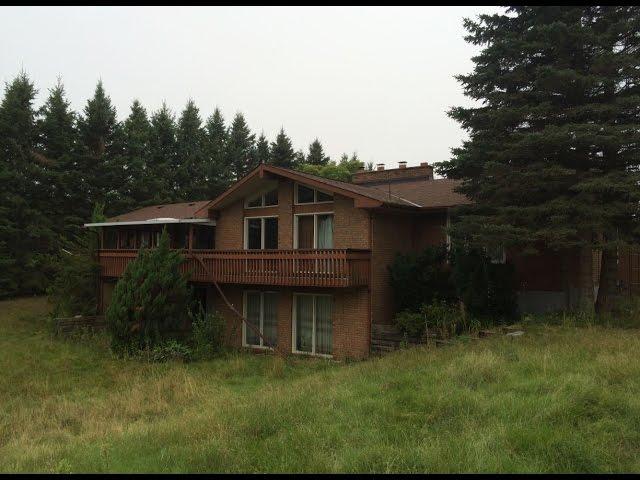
[391, 234]
[350, 317]
[229, 228]
[351, 225]
[398, 233]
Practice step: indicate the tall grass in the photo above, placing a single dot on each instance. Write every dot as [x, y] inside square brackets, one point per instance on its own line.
[557, 399]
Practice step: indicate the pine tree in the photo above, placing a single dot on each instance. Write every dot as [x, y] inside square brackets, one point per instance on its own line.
[58, 145]
[137, 188]
[150, 299]
[282, 153]
[263, 152]
[218, 172]
[100, 166]
[316, 154]
[553, 155]
[191, 165]
[162, 155]
[240, 148]
[26, 232]
[74, 288]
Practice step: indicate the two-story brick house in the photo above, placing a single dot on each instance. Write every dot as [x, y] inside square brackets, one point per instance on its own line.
[303, 258]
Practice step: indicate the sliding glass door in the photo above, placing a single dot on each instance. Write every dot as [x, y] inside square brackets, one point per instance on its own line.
[312, 324]
[261, 312]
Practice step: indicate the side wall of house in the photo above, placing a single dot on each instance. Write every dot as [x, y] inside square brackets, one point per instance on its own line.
[351, 313]
[392, 234]
[351, 225]
[350, 322]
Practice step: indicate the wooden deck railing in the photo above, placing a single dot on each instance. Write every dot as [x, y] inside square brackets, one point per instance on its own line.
[316, 268]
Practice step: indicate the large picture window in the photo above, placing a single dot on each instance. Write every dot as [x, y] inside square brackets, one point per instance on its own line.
[313, 231]
[261, 233]
[268, 199]
[312, 324]
[306, 194]
[261, 312]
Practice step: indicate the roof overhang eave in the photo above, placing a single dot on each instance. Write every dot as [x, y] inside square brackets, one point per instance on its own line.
[155, 221]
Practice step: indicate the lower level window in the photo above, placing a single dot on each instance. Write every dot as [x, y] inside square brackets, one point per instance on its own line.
[261, 312]
[312, 324]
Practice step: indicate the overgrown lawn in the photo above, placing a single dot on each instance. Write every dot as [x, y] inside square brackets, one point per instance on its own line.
[557, 399]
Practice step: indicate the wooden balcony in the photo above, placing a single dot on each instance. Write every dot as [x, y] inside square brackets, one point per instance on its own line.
[313, 268]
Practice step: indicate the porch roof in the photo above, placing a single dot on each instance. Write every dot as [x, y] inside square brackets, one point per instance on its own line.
[185, 212]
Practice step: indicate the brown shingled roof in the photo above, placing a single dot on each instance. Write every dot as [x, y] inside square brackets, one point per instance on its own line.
[169, 210]
[392, 198]
[428, 193]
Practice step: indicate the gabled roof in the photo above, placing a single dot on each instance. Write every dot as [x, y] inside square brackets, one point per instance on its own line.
[364, 197]
[414, 195]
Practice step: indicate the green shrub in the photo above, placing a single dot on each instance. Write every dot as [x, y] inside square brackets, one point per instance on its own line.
[207, 333]
[150, 301]
[411, 324]
[442, 318]
[488, 290]
[171, 350]
[421, 278]
[439, 317]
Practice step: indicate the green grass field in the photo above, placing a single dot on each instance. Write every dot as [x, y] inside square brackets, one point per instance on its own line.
[558, 399]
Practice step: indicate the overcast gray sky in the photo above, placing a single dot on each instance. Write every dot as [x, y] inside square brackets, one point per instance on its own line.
[373, 80]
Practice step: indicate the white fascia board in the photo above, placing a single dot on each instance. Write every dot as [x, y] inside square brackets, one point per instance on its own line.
[155, 221]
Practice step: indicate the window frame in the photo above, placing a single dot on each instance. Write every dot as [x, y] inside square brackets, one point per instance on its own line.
[497, 261]
[262, 199]
[315, 195]
[315, 228]
[262, 231]
[261, 327]
[294, 325]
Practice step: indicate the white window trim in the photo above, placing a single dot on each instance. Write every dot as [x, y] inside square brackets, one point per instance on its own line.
[246, 230]
[262, 200]
[315, 227]
[261, 328]
[294, 326]
[315, 195]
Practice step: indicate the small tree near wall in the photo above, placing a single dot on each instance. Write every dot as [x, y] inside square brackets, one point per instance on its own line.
[149, 301]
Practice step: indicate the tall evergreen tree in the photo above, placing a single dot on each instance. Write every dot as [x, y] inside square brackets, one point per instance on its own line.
[553, 154]
[58, 144]
[162, 155]
[218, 172]
[240, 148]
[191, 165]
[26, 233]
[282, 153]
[137, 188]
[316, 154]
[100, 168]
[263, 152]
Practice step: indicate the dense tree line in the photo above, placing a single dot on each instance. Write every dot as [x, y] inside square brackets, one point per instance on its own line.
[553, 156]
[57, 164]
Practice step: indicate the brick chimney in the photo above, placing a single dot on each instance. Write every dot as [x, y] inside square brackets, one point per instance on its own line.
[402, 174]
